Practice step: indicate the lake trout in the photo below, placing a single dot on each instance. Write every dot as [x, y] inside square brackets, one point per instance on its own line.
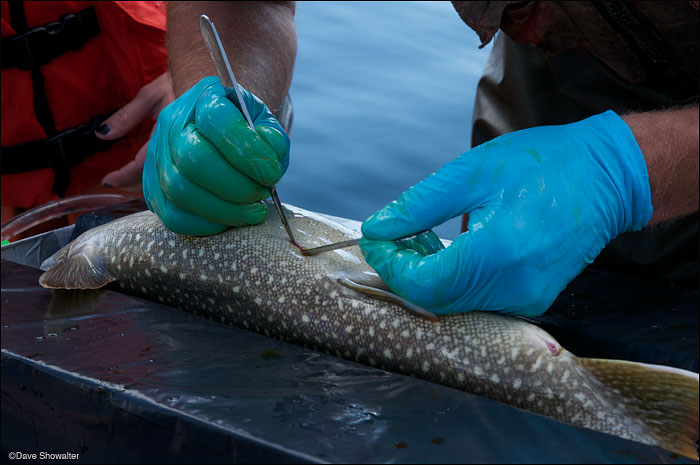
[255, 278]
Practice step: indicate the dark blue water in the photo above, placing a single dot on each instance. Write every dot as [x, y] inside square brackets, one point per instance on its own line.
[383, 95]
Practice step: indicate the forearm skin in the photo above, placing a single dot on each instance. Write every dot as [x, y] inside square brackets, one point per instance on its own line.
[259, 38]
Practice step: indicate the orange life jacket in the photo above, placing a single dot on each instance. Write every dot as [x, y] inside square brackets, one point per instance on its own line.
[85, 61]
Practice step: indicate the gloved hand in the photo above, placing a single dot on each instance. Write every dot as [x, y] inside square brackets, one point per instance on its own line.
[542, 203]
[205, 169]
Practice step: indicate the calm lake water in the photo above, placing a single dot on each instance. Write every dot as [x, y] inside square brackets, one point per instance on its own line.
[383, 95]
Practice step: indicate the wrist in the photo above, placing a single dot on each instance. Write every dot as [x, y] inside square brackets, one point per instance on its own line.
[617, 152]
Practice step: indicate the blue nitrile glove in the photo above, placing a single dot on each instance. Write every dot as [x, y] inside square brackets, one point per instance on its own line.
[205, 169]
[542, 203]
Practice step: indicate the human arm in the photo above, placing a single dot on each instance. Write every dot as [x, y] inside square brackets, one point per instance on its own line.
[205, 169]
[669, 142]
[259, 39]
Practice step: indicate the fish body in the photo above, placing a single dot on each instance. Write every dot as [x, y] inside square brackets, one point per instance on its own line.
[255, 278]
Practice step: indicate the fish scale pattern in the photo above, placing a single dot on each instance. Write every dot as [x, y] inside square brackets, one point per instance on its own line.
[254, 278]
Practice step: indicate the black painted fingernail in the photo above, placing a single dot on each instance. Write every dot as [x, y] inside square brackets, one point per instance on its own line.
[106, 184]
[103, 129]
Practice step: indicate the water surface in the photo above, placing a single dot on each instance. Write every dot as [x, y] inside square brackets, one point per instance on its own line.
[383, 95]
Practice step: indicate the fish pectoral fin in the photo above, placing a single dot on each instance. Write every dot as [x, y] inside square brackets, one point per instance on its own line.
[665, 399]
[373, 286]
[82, 269]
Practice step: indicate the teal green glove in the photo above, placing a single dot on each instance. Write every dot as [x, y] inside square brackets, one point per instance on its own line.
[205, 169]
[542, 204]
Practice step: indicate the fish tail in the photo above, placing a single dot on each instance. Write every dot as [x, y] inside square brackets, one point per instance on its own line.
[84, 268]
[665, 399]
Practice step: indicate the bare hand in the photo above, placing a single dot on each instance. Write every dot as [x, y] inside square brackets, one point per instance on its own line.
[148, 103]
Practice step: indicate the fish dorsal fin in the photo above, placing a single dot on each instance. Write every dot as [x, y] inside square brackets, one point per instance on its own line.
[373, 286]
[84, 268]
[665, 399]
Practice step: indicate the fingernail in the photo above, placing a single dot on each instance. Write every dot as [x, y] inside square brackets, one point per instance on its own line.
[106, 184]
[103, 129]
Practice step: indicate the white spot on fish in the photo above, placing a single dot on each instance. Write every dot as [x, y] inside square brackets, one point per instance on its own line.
[201, 252]
[253, 270]
[203, 277]
[258, 300]
[382, 324]
[305, 318]
[216, 255]
[537, 364]
[371, 330]
[131, 262]
[281, 299]
[517, 382]
[348, 329]
[148, 273]
[405, 333]
[409, 352]
[565, 377]
[430, 346]
[228, 307]
[495, 378]
[531, 397]
[478, 371]
[425, 366]
[514, 352]
[143, 289]
[324, 318]
[236, 289]
[387, 353]
[171, 243]
[160, 254]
